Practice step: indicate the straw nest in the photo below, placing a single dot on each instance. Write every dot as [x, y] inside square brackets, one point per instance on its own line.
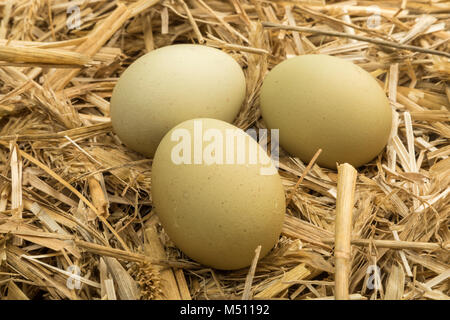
[76, 219]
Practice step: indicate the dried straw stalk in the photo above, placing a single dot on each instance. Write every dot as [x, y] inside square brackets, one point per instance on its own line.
[72, 195]
[344, 212]
[380, 42]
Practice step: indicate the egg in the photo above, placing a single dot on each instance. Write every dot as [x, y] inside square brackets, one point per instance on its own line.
[170, 85]
[217, 193]
[320, 101]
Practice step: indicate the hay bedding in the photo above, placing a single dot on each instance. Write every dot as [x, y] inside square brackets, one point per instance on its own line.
[72, 195]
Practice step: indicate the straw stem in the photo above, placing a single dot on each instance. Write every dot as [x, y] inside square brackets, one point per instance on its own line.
[344, 206]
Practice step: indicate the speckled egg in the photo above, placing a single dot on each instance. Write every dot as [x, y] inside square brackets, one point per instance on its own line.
[216, 203]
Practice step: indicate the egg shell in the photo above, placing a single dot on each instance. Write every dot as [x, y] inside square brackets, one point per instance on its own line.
[217, 214]
[320, 101]
[170, 85]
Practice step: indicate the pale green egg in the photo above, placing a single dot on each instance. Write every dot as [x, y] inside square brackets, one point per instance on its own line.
[170, 85]
[320, 101]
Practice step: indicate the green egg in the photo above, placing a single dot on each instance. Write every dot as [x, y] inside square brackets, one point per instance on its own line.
[320, 101]
[170, 85]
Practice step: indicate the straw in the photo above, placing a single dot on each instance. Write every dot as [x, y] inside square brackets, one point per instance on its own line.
[71, 194]
[344, 212]
[251, 273]
[383, 43]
